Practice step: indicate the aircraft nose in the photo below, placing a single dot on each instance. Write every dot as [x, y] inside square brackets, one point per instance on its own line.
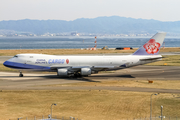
[7, 63]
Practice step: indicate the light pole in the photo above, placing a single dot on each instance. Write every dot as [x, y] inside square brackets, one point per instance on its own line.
[51, 108]
[151, 105]
[71, 117]
[19, 118]
[162, 113]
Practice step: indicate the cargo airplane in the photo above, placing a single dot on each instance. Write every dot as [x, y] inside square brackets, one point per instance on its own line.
[87, 65]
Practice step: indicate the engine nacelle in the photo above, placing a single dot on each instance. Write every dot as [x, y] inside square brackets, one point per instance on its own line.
[85, 71]
[62, 72]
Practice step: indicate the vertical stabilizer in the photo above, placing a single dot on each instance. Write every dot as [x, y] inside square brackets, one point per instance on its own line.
[152, 47]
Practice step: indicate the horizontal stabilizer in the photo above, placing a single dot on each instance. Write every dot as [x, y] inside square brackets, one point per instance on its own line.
[151, 59]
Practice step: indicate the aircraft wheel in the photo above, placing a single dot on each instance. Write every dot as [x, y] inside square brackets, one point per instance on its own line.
[77, 75]
[85, 75]
[20, 74]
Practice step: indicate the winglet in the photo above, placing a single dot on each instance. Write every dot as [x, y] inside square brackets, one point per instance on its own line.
[152, 47]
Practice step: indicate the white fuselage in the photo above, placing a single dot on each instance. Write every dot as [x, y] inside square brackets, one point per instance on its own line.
[98, 62]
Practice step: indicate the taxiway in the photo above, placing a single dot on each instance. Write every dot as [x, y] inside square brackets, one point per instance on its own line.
[39, 81]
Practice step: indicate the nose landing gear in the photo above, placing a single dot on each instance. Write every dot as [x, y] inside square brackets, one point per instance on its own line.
[20, 74]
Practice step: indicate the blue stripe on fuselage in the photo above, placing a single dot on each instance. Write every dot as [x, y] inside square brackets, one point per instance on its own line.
[24, 66]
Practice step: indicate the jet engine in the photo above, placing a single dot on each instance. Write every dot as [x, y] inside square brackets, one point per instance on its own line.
[85, 71]
[62, 72]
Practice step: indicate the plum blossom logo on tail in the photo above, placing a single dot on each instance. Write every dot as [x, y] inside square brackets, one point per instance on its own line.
[152, 46]
[67, 61]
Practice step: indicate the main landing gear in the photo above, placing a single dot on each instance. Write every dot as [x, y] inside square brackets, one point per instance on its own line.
[77, 75]
[20, 74]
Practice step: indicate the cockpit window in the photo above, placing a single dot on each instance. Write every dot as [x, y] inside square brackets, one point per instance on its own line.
[16, 56]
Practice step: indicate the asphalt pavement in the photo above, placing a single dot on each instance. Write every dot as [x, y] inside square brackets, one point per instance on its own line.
[39, 81]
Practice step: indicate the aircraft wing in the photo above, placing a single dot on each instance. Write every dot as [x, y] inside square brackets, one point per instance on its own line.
[147, 59]
[78, 68]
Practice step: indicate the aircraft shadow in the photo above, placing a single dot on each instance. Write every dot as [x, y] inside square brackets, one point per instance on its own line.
[69, 78]
[121, 76]
[96, 76]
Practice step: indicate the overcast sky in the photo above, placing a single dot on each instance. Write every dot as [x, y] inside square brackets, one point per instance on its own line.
[163, 10]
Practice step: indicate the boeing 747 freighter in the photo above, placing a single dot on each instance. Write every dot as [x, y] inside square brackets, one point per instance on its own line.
[87, 65]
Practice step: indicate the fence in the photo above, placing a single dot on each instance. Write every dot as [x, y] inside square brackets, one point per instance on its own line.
[46, 118]
[73, 118]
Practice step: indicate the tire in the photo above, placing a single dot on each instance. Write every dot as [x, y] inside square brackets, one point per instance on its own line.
[20, 75]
